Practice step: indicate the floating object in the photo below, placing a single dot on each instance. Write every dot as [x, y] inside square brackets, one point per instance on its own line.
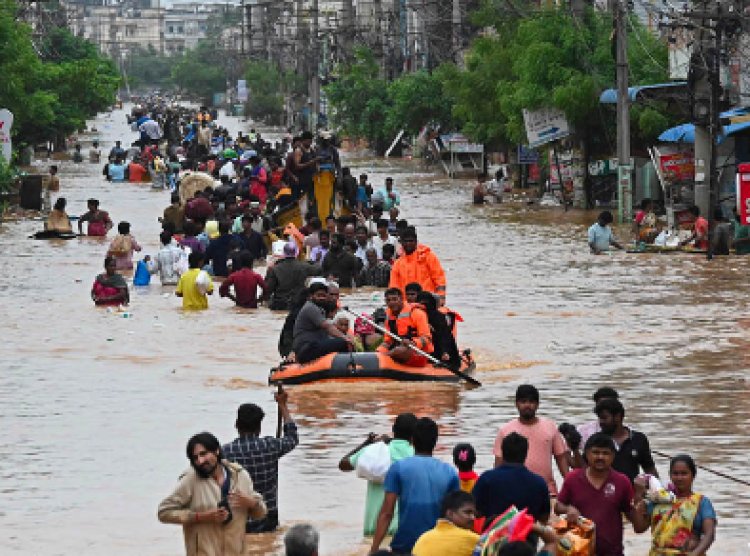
[362, 366]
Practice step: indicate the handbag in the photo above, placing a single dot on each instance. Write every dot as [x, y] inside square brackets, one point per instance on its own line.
[374, 461]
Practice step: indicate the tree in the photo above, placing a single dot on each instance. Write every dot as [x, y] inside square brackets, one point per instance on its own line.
[267, 87]
[51, 94]
[359, 99]
[148, 67]
[416, 99]
[198, 73]
[549, 58]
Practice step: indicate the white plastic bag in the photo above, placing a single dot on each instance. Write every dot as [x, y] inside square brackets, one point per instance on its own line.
[202, 281]
[374, 462]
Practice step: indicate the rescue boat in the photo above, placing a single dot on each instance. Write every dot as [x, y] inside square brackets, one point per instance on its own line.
[364, 367]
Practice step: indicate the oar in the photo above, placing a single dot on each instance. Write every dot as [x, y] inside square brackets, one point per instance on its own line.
[279, 390]
[718, 473]
[434, 361]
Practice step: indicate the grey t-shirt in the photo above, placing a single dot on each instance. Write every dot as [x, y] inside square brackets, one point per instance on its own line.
[307, 328]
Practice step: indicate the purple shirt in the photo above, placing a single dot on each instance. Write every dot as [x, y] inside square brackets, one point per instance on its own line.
[194, 243]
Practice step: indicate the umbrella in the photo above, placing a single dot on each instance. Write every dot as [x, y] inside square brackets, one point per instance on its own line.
[683, 133]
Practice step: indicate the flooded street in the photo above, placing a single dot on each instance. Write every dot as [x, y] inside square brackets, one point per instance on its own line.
[97, 408]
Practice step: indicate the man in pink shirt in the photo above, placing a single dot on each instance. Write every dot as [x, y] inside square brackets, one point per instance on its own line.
[545, 441]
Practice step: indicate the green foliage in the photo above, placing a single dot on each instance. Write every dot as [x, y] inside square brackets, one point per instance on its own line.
[416, 99]
[359, 98]
[7, 176]
[53, 94]
[367, 106]
[267, 87]
[547, 59]
[198, 73]
[146, 67]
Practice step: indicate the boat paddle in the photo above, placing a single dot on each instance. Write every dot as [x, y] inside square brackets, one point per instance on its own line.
[717, 473]
[279, 418]
[459, 373]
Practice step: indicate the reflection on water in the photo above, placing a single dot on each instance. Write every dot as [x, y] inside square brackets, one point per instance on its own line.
[97, 407]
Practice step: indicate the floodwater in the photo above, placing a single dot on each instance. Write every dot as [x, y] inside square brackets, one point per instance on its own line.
[96, 408]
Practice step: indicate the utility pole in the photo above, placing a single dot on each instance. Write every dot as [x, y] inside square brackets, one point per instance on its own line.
[315, 71]
[456, 28]
[624, 171]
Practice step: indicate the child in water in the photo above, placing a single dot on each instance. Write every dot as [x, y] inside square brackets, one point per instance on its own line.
[464, 458]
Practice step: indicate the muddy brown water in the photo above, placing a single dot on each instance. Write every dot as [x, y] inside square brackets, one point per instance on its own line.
[96, 408]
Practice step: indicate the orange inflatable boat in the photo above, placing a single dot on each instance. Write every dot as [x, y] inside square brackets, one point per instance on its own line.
[357, 367]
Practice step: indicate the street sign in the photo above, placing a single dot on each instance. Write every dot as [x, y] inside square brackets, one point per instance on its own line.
[743, 193]
[241, 90]
[527, 155]
[6, 123]
[544, 126]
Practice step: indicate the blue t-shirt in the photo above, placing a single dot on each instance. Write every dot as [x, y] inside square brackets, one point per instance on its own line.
[600, 236]
[705, 511]
[511, 485]
[421, 483]
[116, 172]
[362, 196]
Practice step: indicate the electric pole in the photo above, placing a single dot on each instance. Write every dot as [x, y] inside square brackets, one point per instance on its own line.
[315, 73]
[624, 171]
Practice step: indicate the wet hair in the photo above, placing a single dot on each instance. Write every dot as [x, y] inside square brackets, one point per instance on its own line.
[390, 248]
[645, 203]
[224, 227]
[425, 435]
[302, 539]
[605, 217]
[175, 198]
[165, 237]
[527, 392]
[195, 259]
[306, 135]
[249, 417]
[695, 211]
[245, 259]
[454, 501]
[464, 456]
[94, 202]
[605, 392]
[611, 406]
[123, 228]
[53, 167]
[428, 300]
[205, 439]
[517, 548]
[687, 460]
[315, 223]
[413, 287]
[60, 203]
[316, 287]
[325, 233]
[600, 440]
[403, 426]
[109, 260]
[381, 223]
[393, 291]
[515, 448]
[409, 233]
[361, 228]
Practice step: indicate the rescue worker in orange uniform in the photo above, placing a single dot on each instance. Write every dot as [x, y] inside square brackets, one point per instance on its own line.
[417, 264]
[409, 323]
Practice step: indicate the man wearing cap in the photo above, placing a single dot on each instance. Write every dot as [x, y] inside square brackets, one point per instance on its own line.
[287, 277]
[417, 264]
[260, 456]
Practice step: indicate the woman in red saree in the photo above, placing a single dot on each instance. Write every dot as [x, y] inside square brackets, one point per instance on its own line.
[110, 288]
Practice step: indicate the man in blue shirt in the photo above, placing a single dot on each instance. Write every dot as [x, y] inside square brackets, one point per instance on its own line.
[419, 484]
[512, 484]
[600, 234]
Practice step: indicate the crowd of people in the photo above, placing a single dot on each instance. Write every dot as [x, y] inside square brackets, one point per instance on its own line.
[429, 507]
[222, 231]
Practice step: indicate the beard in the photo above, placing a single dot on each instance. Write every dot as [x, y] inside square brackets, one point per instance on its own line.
[205, 471]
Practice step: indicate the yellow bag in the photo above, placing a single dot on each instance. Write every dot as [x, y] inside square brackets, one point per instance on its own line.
[578, 539]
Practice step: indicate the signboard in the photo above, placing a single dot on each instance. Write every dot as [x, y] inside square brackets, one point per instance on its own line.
[6, 123]
[603, 167]
[544, 126]
[462, 147]
[526, 155]
[241, 90]
[743, 193]
[677, 167]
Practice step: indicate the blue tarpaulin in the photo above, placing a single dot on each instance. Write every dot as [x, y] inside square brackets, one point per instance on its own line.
[609, 96]
[685, 133]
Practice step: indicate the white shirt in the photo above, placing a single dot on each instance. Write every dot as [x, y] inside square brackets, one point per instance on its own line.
[166, 263]
[378, 243]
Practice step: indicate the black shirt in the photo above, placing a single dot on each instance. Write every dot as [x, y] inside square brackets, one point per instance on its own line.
[633, 454]
[343, 265]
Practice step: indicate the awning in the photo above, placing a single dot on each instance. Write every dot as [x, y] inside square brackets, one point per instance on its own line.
[662, 91]
[685, 133]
